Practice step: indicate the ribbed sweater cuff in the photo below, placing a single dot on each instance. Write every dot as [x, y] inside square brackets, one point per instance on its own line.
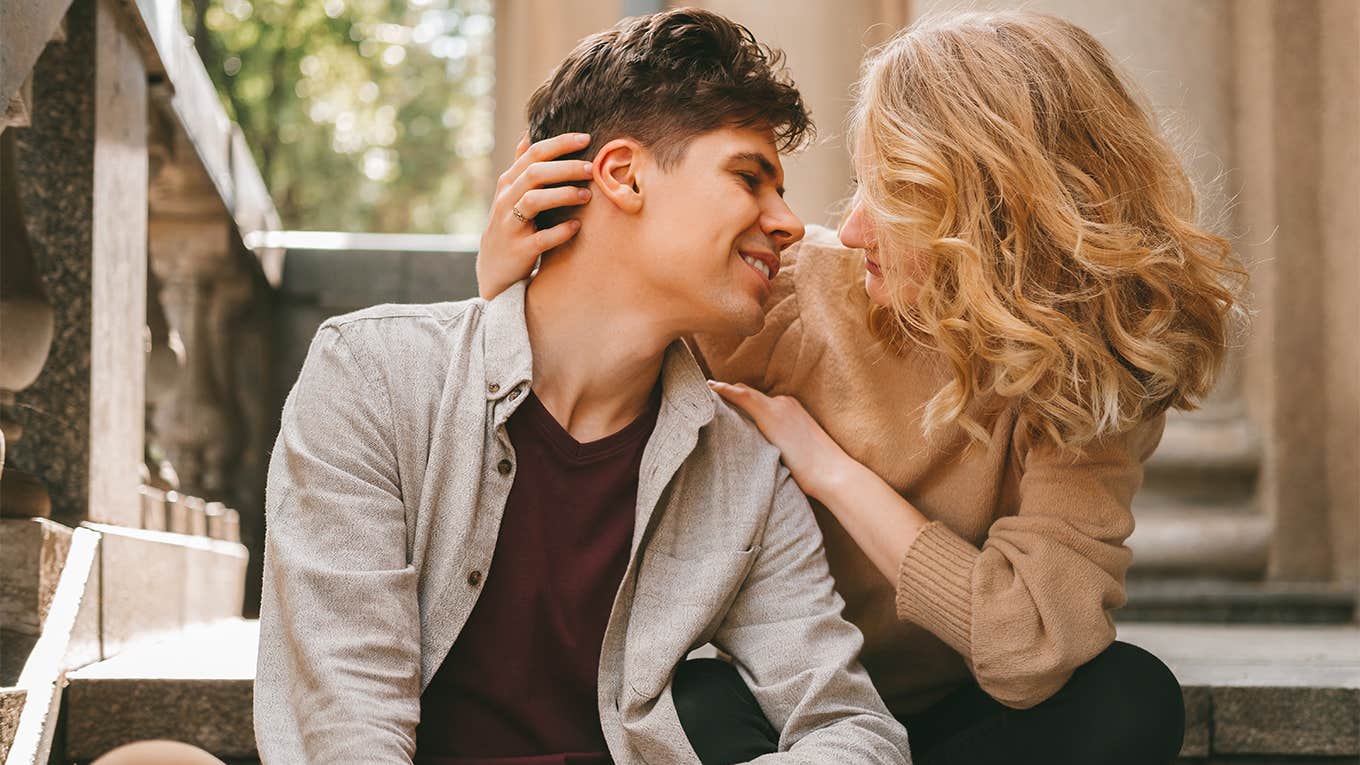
[934, 586]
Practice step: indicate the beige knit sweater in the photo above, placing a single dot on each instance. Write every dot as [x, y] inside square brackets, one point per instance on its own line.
[1015, 577]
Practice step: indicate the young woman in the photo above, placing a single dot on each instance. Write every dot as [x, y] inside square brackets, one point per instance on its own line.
[968, 383]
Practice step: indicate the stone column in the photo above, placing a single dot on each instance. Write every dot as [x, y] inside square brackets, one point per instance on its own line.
[1297, 78]
[1340, 191]
[532, 37]
[84, 195]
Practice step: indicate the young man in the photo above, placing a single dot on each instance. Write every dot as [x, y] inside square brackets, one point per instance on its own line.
[495, 528]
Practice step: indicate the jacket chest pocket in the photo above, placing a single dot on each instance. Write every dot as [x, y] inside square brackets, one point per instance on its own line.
[677, 606]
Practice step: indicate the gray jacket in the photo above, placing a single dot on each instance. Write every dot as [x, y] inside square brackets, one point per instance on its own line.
[386, 488]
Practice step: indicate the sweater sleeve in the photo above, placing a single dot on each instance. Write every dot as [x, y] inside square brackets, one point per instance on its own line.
[1034, 602]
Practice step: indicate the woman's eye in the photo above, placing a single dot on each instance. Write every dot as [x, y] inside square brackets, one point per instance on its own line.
[750, 179]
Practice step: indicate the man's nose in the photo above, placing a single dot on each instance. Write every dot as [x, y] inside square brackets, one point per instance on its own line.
[782, 225]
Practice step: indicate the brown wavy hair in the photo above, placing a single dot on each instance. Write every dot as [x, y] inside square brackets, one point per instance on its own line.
[664, 79]
[1058, 266]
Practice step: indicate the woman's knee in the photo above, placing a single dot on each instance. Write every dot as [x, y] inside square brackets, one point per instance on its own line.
[720, 715]
[1137, 702]
[697, 683]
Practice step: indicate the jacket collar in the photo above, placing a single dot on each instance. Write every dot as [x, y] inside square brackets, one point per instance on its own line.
[510, 361]
[505, 343]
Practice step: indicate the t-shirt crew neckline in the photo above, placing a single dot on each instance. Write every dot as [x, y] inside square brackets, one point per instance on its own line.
[579, 453]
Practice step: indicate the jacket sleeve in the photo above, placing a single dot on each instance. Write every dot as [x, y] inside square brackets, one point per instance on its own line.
[338, 676]
[799, 656]
[1034, 602]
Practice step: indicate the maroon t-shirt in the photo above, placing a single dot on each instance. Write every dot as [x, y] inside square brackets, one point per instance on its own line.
[518, 686]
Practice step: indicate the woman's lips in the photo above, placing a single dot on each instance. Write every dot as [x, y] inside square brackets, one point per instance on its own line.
[872, 267]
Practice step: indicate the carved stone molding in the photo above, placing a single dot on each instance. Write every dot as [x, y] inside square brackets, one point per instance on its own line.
[197, 423]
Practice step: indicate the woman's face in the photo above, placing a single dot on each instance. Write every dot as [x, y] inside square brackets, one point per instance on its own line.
[858, 232]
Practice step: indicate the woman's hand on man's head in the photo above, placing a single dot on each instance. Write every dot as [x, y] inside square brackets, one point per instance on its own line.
[511, 243]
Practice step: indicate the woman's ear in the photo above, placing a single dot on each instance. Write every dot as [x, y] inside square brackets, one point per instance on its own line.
[616, 173]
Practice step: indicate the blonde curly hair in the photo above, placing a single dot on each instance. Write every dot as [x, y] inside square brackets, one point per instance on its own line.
[1058, 266]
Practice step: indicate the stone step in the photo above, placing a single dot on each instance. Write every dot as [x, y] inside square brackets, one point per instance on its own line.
[195, 688]
[1199, 541]
[1258, 694]
[156, 583]
[32, 553]
[1208, 600]
[1263, 694]
[101, 591]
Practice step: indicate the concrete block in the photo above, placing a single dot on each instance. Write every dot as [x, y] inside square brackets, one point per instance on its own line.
[157, 583]
[196, 516]
[14, 650]
[32, 552]
[153, 509]
[176, 513]
[214, 715]
[214, 582]
[195, 687]
[143, 589]
[1294, 721]
[1199, 713]
[11, 706]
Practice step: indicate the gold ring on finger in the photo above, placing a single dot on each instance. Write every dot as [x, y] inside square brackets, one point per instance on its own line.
[514, 210]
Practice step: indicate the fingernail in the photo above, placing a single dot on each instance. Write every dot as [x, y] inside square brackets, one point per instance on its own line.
[584, 194]
[587, 167]
[582, 137]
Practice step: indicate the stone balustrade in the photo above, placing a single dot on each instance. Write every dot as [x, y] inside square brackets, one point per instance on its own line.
[133, 343]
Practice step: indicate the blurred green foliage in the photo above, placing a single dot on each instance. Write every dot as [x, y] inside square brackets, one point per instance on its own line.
[363, 115]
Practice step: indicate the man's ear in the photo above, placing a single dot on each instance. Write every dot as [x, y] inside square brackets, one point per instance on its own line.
[617, 165]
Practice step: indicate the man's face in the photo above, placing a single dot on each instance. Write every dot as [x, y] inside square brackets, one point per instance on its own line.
[712, 227]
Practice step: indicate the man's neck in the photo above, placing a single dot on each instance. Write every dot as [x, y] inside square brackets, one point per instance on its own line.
[597, 354]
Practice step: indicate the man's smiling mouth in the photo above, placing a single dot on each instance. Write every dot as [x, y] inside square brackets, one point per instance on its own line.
[766, 264]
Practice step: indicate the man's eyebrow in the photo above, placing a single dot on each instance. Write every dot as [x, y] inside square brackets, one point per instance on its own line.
[761, 161]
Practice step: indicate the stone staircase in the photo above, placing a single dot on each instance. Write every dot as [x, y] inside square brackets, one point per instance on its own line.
[76, 598]
[132, 634]
[1262, 695]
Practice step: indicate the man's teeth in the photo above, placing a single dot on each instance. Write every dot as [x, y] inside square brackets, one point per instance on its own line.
[758, 265]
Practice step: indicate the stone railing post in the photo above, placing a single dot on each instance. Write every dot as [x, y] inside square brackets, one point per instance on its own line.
[83, 193]
[197, 424]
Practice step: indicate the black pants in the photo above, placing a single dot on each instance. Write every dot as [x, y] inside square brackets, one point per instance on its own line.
[1124, 707]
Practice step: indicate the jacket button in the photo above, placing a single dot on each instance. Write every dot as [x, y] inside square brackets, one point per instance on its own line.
[503, 467]
[493, 387]
[514, 394]
[474, 578]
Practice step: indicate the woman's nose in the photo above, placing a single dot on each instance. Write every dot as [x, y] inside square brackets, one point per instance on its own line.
[857, 230]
